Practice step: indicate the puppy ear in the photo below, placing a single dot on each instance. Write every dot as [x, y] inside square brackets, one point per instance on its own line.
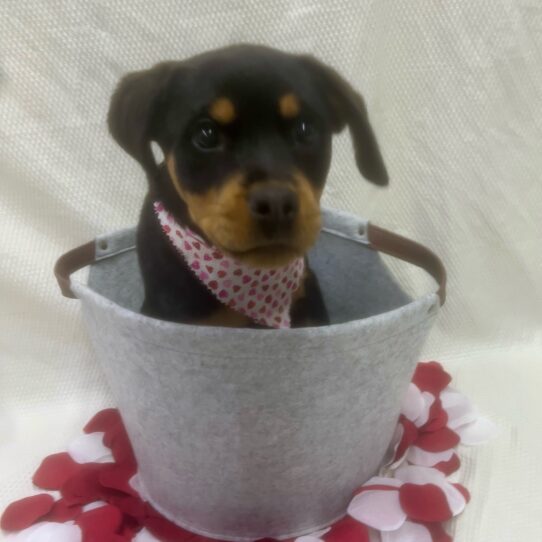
[137, 110]
[348, 108]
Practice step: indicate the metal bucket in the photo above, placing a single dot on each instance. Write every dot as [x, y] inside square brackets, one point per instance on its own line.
[243, 434]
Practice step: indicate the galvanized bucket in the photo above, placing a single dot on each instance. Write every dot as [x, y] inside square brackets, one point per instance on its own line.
[243, 434]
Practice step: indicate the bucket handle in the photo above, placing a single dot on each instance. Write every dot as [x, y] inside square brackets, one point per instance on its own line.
[409, 251]
[379, 239]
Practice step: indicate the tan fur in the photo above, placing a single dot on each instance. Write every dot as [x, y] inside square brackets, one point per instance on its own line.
[300, 293]
[222, 110]
[224, 216]
[289, 106]
[225, 317]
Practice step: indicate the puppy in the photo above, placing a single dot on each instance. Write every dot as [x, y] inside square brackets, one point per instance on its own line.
[235, 205]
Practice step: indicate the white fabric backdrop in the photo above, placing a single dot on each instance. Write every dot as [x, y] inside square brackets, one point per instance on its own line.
[455, 93]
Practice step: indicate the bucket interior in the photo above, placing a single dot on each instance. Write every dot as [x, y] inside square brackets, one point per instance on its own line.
[355, 281]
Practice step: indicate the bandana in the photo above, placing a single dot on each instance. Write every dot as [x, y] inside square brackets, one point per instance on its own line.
[264, 295]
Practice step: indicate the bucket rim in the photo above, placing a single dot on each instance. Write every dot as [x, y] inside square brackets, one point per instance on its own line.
[342, 224]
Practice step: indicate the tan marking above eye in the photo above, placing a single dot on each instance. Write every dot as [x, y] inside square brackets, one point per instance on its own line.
[289, 106]
[222, 110]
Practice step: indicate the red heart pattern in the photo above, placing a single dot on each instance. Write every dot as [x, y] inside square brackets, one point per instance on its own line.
[264, 295]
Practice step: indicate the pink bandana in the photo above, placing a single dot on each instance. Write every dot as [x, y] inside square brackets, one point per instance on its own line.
[264, 295]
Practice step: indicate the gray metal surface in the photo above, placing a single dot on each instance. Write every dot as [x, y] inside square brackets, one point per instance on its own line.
[243, 434]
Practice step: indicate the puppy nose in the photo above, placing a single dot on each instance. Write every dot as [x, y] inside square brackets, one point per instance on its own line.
[273, 205]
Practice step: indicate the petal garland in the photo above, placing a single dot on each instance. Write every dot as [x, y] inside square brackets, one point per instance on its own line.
[99, 501]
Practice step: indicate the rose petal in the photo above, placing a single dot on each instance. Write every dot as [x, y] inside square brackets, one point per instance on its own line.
[130, 506]
[348, 530]
[438, 441]
[424, 502]
[122, 450]
[166, 531]
[438, 533]
[477, 432]
[460, 410]
[464, 491]
[423, 418]
[55, 470]
[104, 421]
[24, 512]
[100, 523]
[408, 532]
[117, 478]
[423, 458]
[112, 434]
[438, 417]
[89, 448]
[83, 487]
[431, 377]
[456, 498]
[413, 403]
[130, 526]
[62, 512]
[378, 509]
[449, 467]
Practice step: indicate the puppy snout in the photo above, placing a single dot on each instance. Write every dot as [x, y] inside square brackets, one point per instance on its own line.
[274, 208]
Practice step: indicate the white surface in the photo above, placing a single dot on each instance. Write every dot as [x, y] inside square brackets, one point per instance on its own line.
[455, 93]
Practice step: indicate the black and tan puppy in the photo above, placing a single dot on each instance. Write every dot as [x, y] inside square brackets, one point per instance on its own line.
[246, 135]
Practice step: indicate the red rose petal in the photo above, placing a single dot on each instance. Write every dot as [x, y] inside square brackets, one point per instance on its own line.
[130, 527]
[463, 490]
[100, 524]
[167, 531]
[112, 434]
[84, 486]
[438, 441]
[133, 508]
[122, 450]
[347, 530]
[103, 421]
[425, 502]
[437, 532]
[438, 417]
[117, 478]
[62, 512]
[23, 513]
[431, 377]
[55, 470]
[450, 466]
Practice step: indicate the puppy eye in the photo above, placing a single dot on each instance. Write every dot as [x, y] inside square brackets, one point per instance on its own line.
[206, 136]
[304, 132]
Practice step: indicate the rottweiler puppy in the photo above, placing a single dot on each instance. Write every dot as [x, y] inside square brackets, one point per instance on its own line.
[234, 206]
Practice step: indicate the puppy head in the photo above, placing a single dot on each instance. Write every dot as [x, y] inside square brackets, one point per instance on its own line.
[246, 134]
